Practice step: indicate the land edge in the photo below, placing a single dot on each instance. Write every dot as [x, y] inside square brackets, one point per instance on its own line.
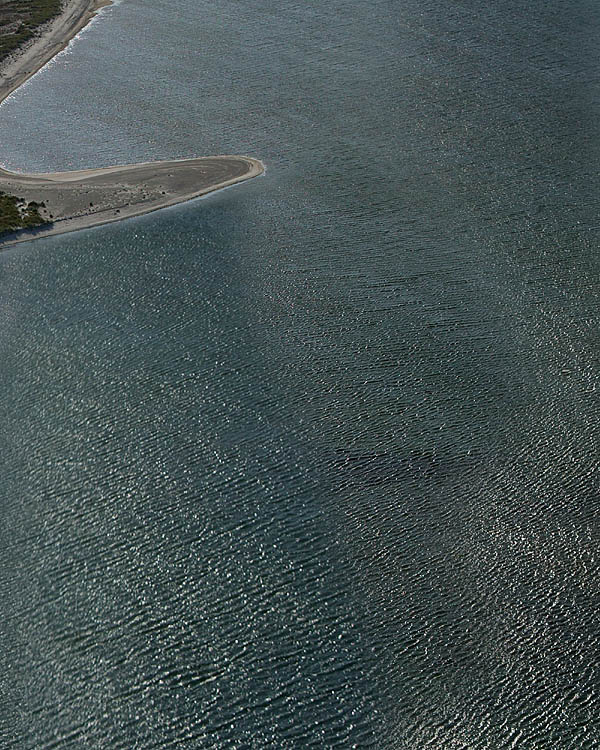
[53, 37]
[20, 66]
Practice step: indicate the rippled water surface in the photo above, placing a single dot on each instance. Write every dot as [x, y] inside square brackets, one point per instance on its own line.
[312, 462]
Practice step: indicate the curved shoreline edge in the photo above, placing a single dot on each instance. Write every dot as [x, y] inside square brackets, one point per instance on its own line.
[90, 197]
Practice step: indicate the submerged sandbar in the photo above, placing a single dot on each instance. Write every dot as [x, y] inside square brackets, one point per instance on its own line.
[88, 197]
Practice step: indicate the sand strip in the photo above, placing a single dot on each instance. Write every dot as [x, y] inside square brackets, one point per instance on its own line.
[85, 198]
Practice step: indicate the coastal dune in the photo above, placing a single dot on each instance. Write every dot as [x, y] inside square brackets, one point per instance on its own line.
[74, 200]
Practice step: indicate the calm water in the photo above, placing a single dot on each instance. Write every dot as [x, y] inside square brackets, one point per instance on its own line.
[312, 462]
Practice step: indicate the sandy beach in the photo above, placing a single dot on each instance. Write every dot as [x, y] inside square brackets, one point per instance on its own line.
[85, 198]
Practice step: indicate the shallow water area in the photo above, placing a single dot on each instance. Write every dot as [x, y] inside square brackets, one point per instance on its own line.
[311, 461]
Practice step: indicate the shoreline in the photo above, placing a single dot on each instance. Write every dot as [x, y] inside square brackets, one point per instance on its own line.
[25, 62]
[91, 197]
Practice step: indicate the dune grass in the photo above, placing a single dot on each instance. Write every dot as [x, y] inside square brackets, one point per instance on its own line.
[16, 214]
[20, 19]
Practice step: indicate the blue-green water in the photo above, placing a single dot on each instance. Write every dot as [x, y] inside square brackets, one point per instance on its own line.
[312, 462]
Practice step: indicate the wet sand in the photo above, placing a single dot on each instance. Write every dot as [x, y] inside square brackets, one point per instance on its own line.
[85, 198]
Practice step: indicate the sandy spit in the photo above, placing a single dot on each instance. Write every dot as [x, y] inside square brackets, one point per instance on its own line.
[85, 198]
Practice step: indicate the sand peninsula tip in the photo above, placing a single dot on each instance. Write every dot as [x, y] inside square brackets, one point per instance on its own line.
[67, 201]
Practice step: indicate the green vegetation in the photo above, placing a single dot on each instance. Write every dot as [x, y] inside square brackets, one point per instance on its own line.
[19, 20]
[16, 213]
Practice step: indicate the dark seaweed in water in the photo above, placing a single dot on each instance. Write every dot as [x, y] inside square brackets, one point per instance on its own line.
[385, 468]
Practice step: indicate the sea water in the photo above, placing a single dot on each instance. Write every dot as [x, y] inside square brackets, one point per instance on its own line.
[311, 462]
